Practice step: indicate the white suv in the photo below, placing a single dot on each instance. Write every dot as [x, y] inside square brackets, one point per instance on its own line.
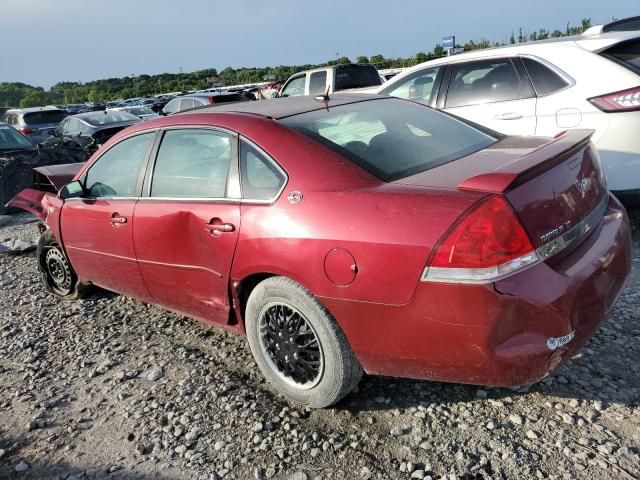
[542, 88]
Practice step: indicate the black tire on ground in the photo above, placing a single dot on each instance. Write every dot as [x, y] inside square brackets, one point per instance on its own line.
[315, 373]
[57, 274]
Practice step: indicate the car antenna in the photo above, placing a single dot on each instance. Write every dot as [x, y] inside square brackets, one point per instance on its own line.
[324, 97]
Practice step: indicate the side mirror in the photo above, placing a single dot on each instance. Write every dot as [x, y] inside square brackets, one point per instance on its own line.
[72, 190]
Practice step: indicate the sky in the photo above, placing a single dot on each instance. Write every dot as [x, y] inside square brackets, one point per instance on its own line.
[48, 41]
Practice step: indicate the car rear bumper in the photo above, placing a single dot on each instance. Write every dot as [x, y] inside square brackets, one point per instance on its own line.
[496, 334]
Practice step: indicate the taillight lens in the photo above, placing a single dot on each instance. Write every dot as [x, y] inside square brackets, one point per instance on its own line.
[489, 243]
[622, 101]
[212, 99]
[25, 131]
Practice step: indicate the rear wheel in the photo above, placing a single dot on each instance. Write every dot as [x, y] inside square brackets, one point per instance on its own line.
[56, 271]
[298, 345]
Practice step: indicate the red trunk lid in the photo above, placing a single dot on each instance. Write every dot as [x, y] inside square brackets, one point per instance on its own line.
[562, 197]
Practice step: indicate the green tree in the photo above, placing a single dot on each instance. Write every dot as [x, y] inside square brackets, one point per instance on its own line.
[362, 59]
[512, 39]
[379, 61]
[33, 98]
[421, 57]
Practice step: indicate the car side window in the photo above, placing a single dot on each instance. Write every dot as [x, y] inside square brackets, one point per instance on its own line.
[72, 128]
[545, 80]
[260, 178]
[317, 82]
[116, 172]
[192, 163]
[186, 104]
[172, 106]
[62, 126]
[295, 87]
[483, 81]
[417, 86]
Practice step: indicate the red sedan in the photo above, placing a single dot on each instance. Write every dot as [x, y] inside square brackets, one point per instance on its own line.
[345, 235]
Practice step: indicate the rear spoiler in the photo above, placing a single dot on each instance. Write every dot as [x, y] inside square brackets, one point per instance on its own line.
[512, 174]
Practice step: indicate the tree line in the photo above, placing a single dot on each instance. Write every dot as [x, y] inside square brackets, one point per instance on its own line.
[23, 95]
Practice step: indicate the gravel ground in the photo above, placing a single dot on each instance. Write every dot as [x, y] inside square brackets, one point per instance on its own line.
[108, 387]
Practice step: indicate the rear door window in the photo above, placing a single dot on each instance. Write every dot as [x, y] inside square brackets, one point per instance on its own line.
[545, 81]
[186, 104]
[192, 163]
[626, 53]
[483, 81]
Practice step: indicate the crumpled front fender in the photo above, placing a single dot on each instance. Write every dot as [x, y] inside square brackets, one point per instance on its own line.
[36, 202]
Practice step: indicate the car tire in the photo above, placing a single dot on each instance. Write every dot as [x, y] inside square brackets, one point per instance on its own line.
[56, 271]
[282, 321]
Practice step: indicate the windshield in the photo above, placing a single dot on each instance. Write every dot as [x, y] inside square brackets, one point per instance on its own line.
[13, 140]
[356, 76]
[45, 116]
[391, 138]
[626, 53]
[103, 118]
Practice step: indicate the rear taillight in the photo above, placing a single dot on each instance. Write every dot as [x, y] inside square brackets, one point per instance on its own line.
[25, 131]
[487, 244]
[622, 101]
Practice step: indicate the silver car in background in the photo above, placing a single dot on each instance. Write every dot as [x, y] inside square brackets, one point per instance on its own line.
[38, 123]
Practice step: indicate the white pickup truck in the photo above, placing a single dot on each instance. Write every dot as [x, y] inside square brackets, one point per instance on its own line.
[352, 76]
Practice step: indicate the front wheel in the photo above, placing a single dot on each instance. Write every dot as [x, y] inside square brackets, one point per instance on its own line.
[57, 273]
[298, 345]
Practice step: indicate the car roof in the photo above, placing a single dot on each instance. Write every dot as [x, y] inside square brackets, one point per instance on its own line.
[34, 109]
[208, 94]
[593, 43]
[277, 108]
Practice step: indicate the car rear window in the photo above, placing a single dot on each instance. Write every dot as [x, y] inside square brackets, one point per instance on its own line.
[105, 118]
[235, 97]
[626, 53]
[45, 116]
[356, 76]
[391, 138]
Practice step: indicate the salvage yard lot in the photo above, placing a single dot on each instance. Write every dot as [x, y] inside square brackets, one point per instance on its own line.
[109, 387]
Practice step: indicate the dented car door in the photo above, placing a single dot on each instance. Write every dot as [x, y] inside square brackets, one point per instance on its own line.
[186, 227]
